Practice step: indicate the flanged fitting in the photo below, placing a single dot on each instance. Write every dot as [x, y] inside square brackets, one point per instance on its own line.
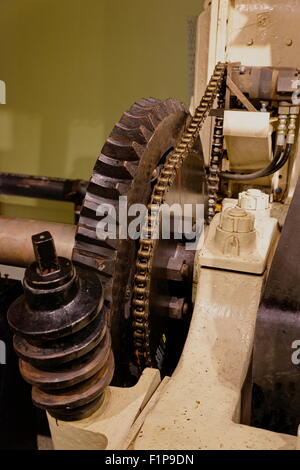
[235, 234]
[255, 201]
[61, 334]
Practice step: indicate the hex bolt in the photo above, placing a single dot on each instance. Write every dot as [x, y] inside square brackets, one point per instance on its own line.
[45, 253]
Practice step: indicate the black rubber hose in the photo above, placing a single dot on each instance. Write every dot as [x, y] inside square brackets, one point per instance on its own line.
[260, 173]
[284, 158]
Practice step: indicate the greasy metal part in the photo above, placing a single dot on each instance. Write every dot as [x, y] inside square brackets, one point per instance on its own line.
[45, 253]
[54, 189]
[147, 244]
[276, 378]
[127, 166]
[61, 334]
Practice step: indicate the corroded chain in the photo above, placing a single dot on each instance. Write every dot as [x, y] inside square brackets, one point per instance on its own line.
[165, 179]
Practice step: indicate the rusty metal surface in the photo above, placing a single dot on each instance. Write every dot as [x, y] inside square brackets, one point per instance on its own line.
[276, 378]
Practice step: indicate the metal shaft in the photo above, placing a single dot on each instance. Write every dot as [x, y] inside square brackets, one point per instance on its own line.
[54, 189]
[15, 239]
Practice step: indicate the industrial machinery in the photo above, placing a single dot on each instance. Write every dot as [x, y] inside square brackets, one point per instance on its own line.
[132, 338]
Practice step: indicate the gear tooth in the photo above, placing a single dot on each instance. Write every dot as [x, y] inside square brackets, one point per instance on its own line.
[131, 168]
[154, 118]
[92, 202]
[115, 168]
[176, 106]
[146, 133]
[141, 108]
[152, 113]
[159, 111]
[106, 187]
[114, 149]
[89, 240]
[162, 110]
[132, 121]
[129, 134]
[153, 99]
[171, 105]
[144, 104]
[87, 258]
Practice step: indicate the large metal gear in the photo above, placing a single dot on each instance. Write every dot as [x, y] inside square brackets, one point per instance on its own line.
[141, 159]
[127, 166]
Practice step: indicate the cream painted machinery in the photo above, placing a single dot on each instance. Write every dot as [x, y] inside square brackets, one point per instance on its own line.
[190, 341]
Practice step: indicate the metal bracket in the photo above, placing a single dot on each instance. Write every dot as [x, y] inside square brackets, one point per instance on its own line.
[237, 92]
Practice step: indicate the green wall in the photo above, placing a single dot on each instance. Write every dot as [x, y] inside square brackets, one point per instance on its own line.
[71, 68]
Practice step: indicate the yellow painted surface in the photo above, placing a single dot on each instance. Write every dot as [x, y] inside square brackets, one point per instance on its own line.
[71, 68]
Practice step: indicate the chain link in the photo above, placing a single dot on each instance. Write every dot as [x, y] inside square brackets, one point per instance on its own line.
[215, 167]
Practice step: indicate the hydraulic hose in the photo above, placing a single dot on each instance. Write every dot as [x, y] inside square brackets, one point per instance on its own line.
[271, 168]
[284, 158]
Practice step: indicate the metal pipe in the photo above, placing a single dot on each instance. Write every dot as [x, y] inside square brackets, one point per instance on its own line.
[56, 189]
[16, 244]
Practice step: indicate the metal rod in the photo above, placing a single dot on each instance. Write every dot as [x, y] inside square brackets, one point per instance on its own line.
[16, 244]
[56, 189]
